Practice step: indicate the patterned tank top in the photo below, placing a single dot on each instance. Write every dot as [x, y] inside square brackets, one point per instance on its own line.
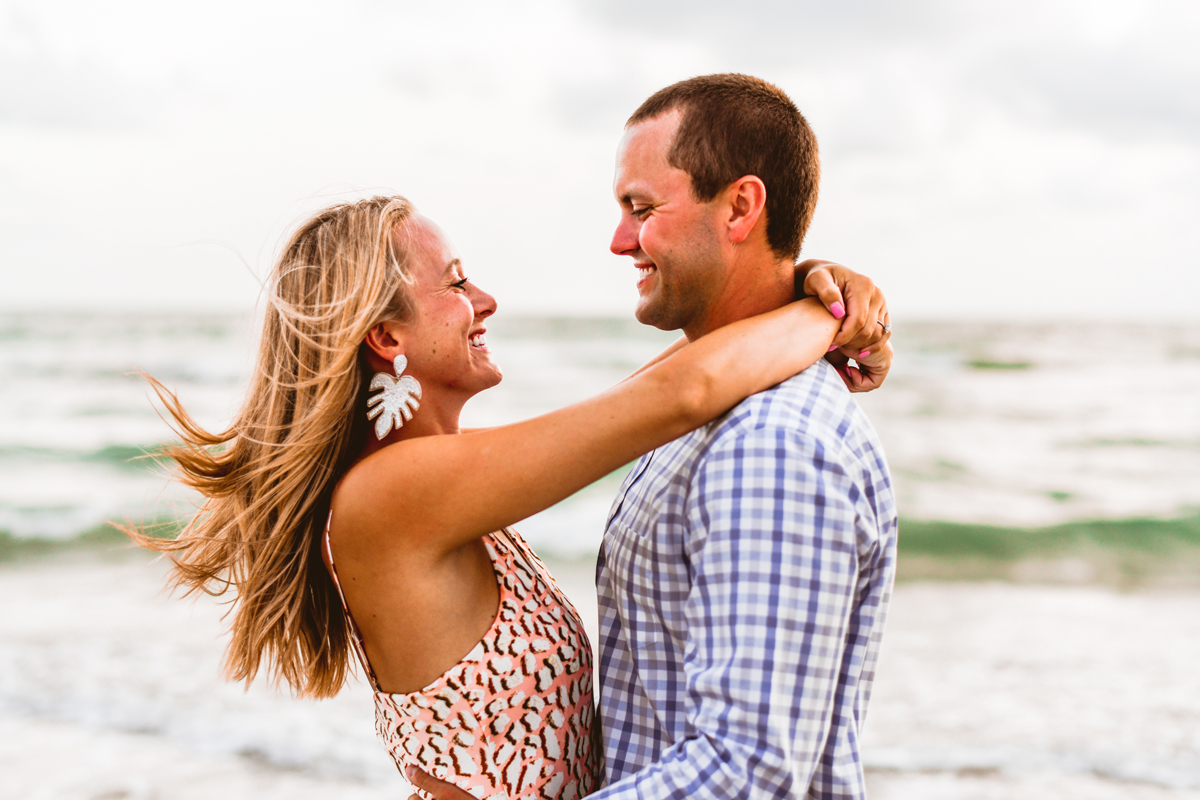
[514, 718]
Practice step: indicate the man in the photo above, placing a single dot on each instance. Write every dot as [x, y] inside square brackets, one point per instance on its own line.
[746, 567]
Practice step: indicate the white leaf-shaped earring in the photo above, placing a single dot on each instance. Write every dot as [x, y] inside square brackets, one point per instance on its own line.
[396, 400]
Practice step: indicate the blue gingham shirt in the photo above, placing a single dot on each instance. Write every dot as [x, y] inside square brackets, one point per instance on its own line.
[743, 583]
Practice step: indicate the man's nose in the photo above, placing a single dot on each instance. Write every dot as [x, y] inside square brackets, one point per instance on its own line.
[625, 237]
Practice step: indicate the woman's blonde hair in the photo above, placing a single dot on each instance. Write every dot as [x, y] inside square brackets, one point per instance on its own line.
[267, 480]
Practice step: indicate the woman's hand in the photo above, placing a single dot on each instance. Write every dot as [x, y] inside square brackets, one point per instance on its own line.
[439, 790]
[866, 327]
[852, 298]
[873, 366]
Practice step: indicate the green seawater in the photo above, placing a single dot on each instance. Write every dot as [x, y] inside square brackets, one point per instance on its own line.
[1122, 551]
[101, 540]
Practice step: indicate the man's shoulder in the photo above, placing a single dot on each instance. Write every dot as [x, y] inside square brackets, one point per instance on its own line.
[812, 411]
[810, 421]
[814, 402]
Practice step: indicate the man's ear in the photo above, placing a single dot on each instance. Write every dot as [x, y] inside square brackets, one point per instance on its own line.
[747, 202]
[384, 342]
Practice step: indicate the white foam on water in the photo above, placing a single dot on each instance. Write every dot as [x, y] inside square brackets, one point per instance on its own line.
[1023, 680]
[98, 646]
[986, 685]
[1130, 768]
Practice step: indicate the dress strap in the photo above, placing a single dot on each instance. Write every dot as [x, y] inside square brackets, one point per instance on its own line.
[355, 636]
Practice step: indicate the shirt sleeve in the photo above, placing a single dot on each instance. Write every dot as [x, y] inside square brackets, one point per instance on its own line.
[774, 560]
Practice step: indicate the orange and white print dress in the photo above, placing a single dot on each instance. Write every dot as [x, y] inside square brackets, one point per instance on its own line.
[514, 718]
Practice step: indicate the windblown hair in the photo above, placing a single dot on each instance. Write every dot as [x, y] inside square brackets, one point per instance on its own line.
[736, 125]
[267, 480]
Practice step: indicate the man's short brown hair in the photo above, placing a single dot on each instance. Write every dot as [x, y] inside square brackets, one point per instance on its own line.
[735, 125]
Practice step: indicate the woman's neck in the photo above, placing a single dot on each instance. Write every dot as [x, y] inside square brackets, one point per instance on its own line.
[434, 417]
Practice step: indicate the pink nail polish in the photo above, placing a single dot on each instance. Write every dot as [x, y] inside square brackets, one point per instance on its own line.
[864, 354]
[838, 310]
[832, 347]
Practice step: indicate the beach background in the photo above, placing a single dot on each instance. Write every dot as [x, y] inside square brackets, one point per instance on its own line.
[1042, 641]
[1022, 179]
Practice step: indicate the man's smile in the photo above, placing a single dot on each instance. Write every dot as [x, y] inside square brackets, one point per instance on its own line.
[644, 272]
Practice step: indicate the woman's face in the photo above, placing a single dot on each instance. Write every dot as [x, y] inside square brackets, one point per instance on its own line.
[445, 342]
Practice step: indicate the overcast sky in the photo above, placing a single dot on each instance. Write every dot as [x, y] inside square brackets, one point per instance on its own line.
[1029, 159]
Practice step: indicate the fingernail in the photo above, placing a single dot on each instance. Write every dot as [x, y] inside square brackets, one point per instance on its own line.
[864, 354]
[832, 347]
[410, 772]
[838, 310]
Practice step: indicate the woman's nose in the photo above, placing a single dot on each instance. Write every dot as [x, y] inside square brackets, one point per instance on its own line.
[483, 303]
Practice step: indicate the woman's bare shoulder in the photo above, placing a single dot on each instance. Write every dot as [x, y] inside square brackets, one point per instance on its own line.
[364, 501]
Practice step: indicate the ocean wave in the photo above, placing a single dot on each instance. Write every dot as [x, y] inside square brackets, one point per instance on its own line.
[1123, 552]
[129, 456]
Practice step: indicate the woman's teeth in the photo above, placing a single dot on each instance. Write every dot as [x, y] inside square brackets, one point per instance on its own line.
[478, 341]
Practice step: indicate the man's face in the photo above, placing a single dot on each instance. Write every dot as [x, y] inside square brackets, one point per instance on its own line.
[672, 238]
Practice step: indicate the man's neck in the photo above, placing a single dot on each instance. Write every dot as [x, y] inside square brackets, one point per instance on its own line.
[754, 287]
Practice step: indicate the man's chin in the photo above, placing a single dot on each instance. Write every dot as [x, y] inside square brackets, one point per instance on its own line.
[654, 315]
[647, 312]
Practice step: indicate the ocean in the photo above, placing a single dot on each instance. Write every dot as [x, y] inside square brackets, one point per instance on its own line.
[1033, 688]
[986, 423]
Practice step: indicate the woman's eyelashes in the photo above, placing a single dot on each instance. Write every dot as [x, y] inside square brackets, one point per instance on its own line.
[460, 284]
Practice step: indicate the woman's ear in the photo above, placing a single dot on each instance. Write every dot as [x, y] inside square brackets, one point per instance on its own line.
[747, 202]
[384, 342]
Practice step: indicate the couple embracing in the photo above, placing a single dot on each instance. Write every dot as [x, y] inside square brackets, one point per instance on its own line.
[747, 560]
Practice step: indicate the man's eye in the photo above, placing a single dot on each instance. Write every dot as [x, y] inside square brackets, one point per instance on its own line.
[641, 212]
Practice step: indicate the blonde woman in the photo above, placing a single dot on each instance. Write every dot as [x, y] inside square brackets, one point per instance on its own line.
[349, 512]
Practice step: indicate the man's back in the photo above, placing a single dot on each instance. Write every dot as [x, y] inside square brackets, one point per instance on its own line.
[743, 584]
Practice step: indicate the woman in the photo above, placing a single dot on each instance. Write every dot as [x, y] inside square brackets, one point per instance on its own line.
[348, 446]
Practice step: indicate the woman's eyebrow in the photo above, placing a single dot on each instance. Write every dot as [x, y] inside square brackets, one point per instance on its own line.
[455, 263]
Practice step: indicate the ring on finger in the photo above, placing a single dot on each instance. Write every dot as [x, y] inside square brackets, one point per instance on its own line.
[886, 327]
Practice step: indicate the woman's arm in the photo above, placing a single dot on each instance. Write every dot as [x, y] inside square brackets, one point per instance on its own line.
[672, 348]
[828, 281]
[437, 492]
